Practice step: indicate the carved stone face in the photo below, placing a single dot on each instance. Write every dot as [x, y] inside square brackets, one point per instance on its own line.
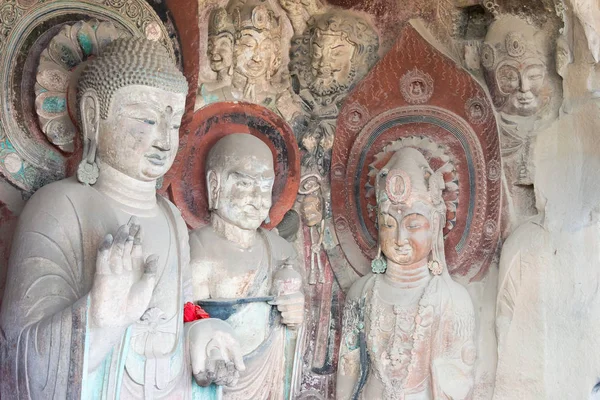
[515, 57]
[405, 236]
[522, 83]
[246, 190]
[254, 53]
[331, 58]
[220, 52]
[140, 137]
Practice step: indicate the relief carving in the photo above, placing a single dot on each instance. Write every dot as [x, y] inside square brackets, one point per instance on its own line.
[335, 52]
[252, 32]
[36, 132]
[517, 62]
[58, 63]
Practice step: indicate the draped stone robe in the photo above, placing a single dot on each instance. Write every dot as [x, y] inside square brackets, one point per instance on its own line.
[45, 312]
[262, 337]
[443, 350]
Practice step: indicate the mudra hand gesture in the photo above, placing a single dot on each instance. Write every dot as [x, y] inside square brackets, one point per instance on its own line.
[215, 352]
[124, 281]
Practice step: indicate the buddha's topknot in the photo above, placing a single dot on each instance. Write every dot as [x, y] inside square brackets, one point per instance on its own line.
[130, 61]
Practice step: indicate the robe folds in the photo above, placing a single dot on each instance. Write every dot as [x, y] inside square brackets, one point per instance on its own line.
[45, 312]
[442, 355]
[264, 341]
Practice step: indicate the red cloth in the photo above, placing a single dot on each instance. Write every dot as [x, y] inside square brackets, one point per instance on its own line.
[192, 312]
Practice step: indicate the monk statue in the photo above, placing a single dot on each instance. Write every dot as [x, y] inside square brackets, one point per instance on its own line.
[408, 328]
[99, 262]
[240, 272]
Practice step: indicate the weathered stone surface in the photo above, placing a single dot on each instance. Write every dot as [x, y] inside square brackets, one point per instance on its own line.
[408, 328]
[89, 314]
[239, 270]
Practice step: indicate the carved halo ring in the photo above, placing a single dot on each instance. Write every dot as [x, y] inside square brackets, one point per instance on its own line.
[187, 177]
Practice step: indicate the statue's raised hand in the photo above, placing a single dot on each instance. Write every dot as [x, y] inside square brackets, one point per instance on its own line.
[124, 282]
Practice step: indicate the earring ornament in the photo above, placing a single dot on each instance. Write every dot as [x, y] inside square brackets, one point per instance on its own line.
[379, 264]
[435, 267]
[87, 172]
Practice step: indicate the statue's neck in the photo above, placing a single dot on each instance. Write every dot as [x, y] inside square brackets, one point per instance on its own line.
[134, 196]
[244, 238]
[408, 276]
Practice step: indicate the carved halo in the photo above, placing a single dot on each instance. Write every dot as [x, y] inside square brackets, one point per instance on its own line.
[187, 178]
[59, 66]
[37, 150]
[459, 150]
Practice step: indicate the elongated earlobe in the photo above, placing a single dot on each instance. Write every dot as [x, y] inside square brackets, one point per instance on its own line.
[213, 186]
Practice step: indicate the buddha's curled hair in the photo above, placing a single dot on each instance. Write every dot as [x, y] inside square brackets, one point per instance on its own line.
[130, 61]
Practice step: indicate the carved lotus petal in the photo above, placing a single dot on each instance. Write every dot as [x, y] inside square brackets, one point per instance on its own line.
[58, 62]
[53, 78]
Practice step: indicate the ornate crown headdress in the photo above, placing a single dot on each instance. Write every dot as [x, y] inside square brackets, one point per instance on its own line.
[220, 22]
[407, 177]
[254, 14]
[514, 38]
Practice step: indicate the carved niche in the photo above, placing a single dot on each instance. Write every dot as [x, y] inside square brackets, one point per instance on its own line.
[406, 100]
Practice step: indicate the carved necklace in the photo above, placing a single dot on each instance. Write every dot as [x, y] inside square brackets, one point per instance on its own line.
[394, 363]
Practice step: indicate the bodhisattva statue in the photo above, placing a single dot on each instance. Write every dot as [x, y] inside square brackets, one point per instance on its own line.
[256, 59]
[99, 261]
[342, 48]
[236, 265]
[516, 57]
[220, 50]
[408, 327]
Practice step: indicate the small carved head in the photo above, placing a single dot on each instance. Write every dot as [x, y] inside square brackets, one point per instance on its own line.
[343, 48]
[220, 40]
[239, 178]
[515, 57]
[257, 49]
[411, 212]
[131, 101]
[312, 209]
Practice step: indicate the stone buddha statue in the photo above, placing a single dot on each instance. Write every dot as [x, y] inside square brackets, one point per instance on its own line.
[341, 49]
[237, 266]
[99, 265]
[408, 328]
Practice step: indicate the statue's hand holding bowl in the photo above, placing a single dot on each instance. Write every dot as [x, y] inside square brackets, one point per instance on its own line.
[215, 352]
[124, 282]
[291, 307]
